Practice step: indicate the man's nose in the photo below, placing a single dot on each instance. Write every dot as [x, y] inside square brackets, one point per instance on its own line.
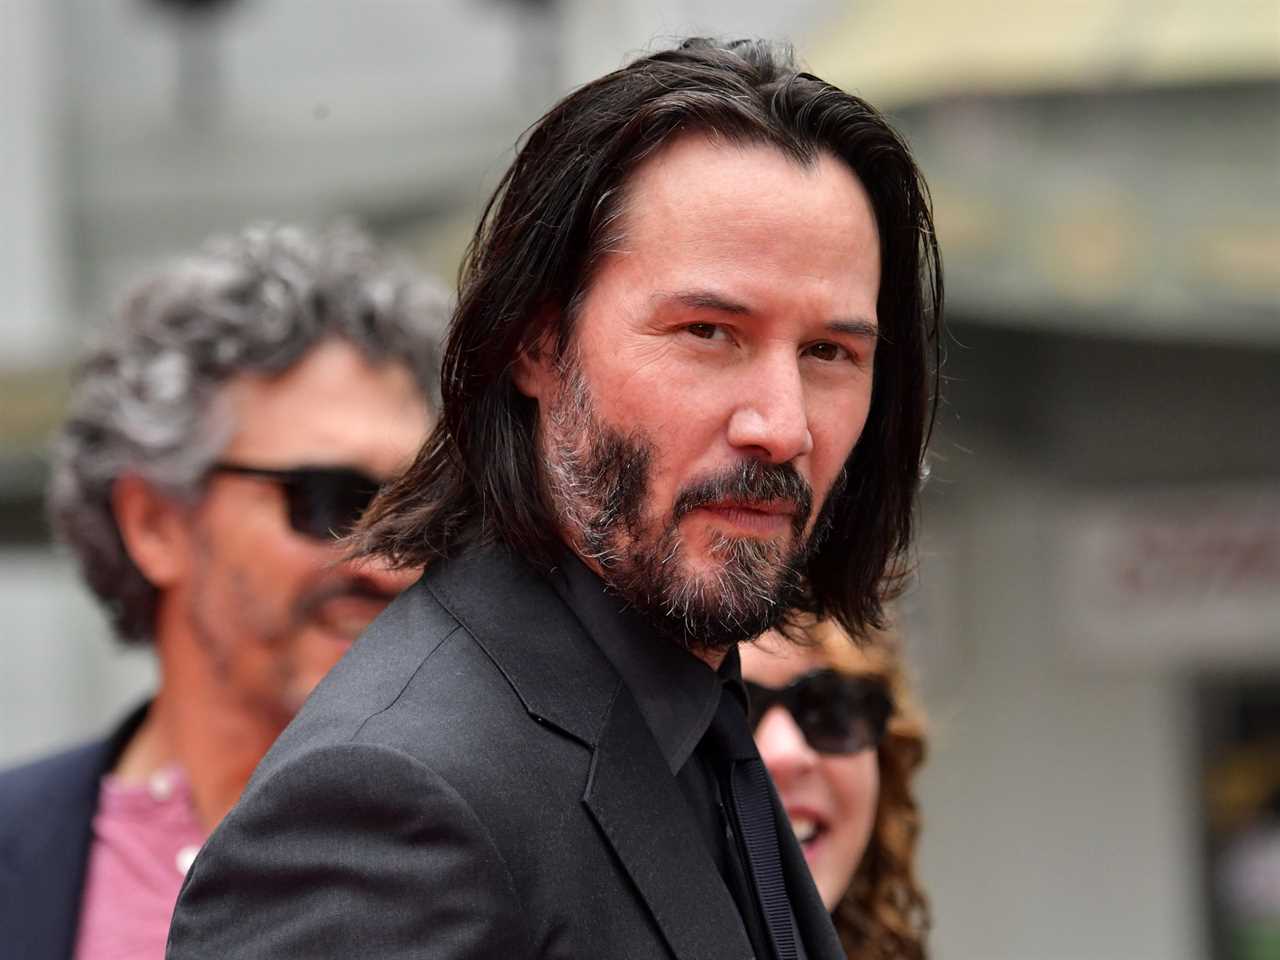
[783, 746]
[772, 421]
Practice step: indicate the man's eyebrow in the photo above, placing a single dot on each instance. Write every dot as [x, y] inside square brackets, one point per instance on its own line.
[703, 300]
[855, 327]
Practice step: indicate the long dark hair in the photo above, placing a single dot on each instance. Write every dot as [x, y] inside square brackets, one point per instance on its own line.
[551, 219]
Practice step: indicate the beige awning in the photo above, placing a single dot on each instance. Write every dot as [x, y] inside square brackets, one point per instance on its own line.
[902, 51]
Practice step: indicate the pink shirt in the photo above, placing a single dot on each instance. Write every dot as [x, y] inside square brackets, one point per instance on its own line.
[144, 839]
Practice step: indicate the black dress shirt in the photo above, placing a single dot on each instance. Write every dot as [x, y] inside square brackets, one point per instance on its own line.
[678, 695]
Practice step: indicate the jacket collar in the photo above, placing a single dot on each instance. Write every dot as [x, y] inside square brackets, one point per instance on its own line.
[676, 692]
[555, 669]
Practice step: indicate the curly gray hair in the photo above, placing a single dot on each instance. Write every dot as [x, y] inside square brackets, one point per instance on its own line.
[144, 399]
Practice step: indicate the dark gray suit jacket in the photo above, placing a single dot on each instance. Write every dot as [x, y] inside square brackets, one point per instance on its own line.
[472, 780]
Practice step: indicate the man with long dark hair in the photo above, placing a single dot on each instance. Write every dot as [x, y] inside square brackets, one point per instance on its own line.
[686, 395]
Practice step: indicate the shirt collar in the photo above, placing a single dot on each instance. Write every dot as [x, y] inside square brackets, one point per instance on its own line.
[676, 692]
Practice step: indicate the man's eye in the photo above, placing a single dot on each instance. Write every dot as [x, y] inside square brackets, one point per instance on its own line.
[828, 352]
[703, 331]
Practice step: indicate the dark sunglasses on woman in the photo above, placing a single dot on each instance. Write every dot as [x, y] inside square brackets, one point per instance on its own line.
[837, 713]
[323, 502]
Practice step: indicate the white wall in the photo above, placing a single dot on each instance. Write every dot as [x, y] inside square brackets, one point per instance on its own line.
[62, 677]
[32, 322]
[1059, 795]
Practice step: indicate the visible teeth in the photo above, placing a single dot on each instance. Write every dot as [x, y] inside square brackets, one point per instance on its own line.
[804, 829]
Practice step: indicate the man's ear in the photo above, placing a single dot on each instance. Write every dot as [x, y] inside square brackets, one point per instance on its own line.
[534, 371]
[156, 530]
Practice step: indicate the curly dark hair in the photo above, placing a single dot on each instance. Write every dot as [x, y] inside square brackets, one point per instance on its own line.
[884, 915]
[558, 211]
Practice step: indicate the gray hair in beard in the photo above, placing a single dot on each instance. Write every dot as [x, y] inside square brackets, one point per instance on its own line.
[598, 480]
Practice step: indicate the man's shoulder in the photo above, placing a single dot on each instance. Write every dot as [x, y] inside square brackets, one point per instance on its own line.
[63, 771]
[408, 669]
[51, 769]
[514, 615]
[460, 663]
[29, 791]
[49, 801]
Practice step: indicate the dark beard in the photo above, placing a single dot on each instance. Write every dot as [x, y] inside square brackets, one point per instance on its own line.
[598, 479]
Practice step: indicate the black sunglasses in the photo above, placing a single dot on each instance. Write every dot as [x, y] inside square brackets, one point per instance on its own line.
[324, 502]
[837, 713]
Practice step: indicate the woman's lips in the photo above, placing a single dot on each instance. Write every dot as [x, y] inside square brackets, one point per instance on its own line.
[809, 827]
[804, 829]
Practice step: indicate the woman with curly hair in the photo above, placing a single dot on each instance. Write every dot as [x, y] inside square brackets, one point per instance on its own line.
[842, 737]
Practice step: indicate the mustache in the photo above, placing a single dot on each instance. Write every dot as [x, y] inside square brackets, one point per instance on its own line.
[356, 587]
[751, 480]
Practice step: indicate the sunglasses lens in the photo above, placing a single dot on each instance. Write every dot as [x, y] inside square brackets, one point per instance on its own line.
[326, 504]
[840, 714]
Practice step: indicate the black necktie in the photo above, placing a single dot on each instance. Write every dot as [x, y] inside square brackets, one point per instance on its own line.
[753, 807]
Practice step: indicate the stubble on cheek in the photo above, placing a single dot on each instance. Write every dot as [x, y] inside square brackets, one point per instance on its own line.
[248, 647]
[202, 612]
[596, 476]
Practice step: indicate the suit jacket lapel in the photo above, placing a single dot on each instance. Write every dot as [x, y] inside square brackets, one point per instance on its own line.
[564, 679]
[42, 878]
[45, 851]
[641, 811]
[816, 930]
[555, 669]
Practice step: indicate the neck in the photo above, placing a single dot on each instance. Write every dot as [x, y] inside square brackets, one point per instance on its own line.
[712, 658]
[217, 756]
[197, 723]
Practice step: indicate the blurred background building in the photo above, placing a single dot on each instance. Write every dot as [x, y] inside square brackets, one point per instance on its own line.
[1096, 625]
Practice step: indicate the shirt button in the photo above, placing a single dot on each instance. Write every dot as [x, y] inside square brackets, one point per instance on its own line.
[160, 786]
[186, 856]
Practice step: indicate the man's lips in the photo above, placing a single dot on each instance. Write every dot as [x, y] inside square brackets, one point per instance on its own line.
[762, 516]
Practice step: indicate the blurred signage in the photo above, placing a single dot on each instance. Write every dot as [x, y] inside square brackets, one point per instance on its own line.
[1191, 576]
[1072, 211]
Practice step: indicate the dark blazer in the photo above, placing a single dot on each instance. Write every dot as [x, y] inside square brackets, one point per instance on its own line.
[473, 780]
[46, 826]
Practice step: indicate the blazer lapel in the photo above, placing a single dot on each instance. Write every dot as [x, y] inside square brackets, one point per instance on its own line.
[820, 939]
[564, 679]
[555, 669]
[42, 880]
[44, 849]
[641, 811]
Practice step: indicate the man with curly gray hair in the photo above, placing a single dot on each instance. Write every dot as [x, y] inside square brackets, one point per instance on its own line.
[239, 412]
